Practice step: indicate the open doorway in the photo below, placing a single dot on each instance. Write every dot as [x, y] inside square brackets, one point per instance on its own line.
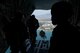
[45, 24]
[45, 28]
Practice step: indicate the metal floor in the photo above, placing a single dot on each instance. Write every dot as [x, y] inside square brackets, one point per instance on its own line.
[42, 45]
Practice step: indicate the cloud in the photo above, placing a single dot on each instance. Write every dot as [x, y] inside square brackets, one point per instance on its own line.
[39, 14]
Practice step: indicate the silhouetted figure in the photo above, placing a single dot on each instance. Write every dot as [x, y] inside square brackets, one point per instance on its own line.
[42, 34]
[65, 37]
[16, 34]
[33, 25]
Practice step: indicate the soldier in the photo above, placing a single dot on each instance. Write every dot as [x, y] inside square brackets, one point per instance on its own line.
[65, 36]
[33, 25]
[16, 34]
[42, 34]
